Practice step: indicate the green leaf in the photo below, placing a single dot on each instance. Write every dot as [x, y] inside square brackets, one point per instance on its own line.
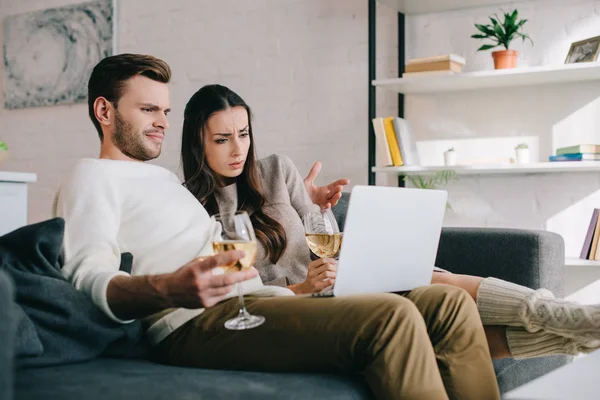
[3, 146]
[485, 29]
[487, 47]
[479, 36]
[499, 31]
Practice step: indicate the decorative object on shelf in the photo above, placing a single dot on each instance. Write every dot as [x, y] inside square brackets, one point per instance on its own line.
[49, 54]
[575, 157]
[448, 64]
[522, 151]
[395, 145]
[580, 148]
[4, 154]
[450, 157]
[589, 248]
[434, 181]
[580, 152]
[383, 147]
[390, 134]
[503, 33]
[584, 51]
[408, 146]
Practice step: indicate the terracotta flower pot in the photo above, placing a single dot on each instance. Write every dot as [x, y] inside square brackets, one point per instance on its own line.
[505, 59]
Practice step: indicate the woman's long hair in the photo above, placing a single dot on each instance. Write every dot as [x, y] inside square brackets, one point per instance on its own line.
[200, 179]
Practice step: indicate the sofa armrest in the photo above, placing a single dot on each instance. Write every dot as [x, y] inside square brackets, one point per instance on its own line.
[530, 258]
[8, 328]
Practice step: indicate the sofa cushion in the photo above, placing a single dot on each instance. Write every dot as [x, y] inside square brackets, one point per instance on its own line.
[132, 379]
[514, 373]
[56, 323]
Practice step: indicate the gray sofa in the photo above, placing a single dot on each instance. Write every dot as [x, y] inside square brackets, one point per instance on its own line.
[529, 258]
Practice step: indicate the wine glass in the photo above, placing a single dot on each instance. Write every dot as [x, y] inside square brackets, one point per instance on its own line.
[322, 233]
[233, 231]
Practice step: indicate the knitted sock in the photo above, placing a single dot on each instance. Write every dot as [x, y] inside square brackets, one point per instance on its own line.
[504, 303]
[524, 344]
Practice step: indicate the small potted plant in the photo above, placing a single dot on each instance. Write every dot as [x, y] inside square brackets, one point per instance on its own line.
[450, 156]
[3, 152]
[522, 153]
[502, 33]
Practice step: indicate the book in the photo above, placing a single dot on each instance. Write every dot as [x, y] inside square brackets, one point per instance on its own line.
[392, 141]
[408, 146]
[445, 57]
[594, 253]
[427, 73]
[435, 66]
[580, 148]
[587, 243]
[383, 149]
[576, 157]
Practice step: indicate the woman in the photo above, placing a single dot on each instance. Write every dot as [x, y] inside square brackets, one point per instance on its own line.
[221, 170]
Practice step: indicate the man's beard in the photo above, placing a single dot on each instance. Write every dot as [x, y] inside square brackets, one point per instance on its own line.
[130, 142]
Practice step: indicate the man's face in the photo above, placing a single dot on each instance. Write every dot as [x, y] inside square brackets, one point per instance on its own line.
[141, 118]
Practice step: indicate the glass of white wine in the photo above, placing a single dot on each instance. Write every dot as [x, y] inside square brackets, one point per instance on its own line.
[322, 233]
[234, 231]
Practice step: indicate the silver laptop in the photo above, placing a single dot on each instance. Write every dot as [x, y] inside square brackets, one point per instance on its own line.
[390, 243]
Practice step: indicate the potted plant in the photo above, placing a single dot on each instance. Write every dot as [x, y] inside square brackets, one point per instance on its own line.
[502, 33]
[433, 181]
[522, 153]
[3, 152]
[450, 157]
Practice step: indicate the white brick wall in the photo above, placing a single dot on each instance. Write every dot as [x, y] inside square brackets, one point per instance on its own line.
[301, 65]
[557, 115]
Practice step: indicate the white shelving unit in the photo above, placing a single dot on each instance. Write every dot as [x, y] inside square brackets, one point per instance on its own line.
[17, 177]
[579, 272]
[412, 7]
[578, 262]
[500, 169]
[13, 198]
[492, 79]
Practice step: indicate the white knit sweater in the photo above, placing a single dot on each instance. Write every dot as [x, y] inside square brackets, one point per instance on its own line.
[111, 207]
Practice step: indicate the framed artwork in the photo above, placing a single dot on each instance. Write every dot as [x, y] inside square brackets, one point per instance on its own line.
[49, 54]
[584, 51]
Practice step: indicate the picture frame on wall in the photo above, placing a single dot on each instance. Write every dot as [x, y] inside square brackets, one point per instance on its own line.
[49, 54]
[584, 51]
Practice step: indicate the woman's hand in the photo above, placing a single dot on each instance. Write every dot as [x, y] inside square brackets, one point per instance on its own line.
[321, 274]
[323, 196]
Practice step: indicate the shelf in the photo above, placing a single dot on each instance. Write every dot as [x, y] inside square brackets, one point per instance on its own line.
[492, 79]
[22, 177]
[500, 169]
[578, 262]
[412, 7]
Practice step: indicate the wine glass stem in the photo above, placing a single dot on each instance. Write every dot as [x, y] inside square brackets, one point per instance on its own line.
[243, 312]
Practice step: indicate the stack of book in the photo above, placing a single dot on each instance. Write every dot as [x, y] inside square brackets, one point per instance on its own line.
[589, 251]
[581, 152]
[448, 64]
[395, 144]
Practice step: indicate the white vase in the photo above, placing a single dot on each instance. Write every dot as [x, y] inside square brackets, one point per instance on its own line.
[522, 156]
[450, 158]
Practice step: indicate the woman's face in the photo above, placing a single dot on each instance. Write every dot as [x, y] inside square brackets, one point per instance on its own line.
[227, 141]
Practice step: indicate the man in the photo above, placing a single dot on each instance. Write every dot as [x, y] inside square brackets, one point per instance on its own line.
[118, 203]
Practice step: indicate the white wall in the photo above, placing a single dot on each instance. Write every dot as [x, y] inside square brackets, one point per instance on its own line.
[554, 116]
[300, 64]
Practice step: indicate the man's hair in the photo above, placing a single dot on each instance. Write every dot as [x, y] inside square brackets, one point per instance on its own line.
[110, 75]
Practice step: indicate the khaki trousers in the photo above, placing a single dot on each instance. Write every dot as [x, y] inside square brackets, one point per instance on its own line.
[425, 344]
